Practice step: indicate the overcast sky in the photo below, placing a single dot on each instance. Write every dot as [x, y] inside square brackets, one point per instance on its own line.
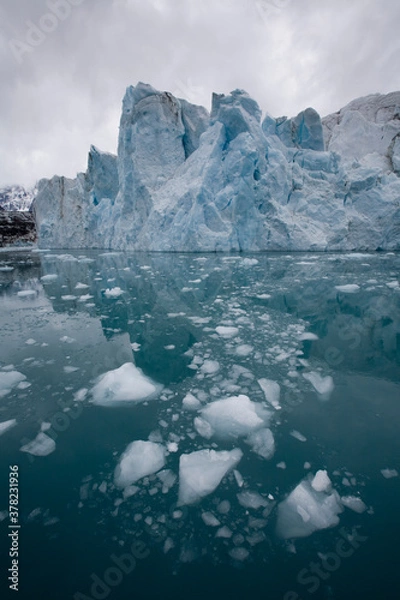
[61, 90]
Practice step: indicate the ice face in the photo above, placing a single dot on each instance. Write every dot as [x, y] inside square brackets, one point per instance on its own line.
[201, 472]
[126, 384]
[184, 181]
[306, 510]
[139, 460]
[232, 417]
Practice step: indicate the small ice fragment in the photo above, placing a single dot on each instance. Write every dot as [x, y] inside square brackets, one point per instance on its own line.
[239, 478]
[233, 417]
[227, 332]
[210, 520]
[307, 465]
[239, 554]
[272, 391]
[354, 503]
[30, 342]
[263, 296]
[190, 402]
[81, 286]
[115, 292]
[350, 288]
[389, 473]
[168, 545]
[253, 500]
[169, 347]
[262, 443]
[80, 395]
[244, 350]
[281, 465]
[9, 380]
[172, 447]
[224, 507]
[27, 294]
[103, 487]
[299, 436]
[67, 340]
[324, 386]
[49, 277]
[321, 482]
[42, 445]
[6, 425]
[224, 532]
[69, 369]
[308, 336]
[210, 367]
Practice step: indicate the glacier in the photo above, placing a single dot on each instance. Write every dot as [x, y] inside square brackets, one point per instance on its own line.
[231, 180]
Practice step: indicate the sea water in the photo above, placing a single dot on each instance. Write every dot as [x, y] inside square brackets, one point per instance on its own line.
[201, 426]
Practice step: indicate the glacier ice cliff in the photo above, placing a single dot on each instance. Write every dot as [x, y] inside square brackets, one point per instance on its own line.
[187, 180]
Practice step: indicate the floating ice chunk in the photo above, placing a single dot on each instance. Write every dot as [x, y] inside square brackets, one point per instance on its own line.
[80, 395]
[227, 332]
[224, 507]
[306, 510]
[201, 472]
[67, 340]
[169, 347]
[126, 384]
[167, 478]
[239, 553]
[42, 445]
[263, 296]
[210, 520]
[224, 532]
[281, 465]
[27, 294]
[172, 447]
[139, 460]
[307, 465]
[68, 298]
[30, 342]
[308, 336]
[113, 292]
[85, 298]
[239, 478]
[252, 500]
[81, 286]
[354, 503]
[9, 380]
[103, 487]
[70, 369]
[190, 402]
[299, 436]
[49, 277]
[168, 545]
[321, 482]
[234, 417]
[324, 386]
[249, 262]
[389, 473]
[272, 392]
[210, 367]
[244, 350]
[262, 443]
[6, 425]
[350, 288]
[203, 428]
[393, 285]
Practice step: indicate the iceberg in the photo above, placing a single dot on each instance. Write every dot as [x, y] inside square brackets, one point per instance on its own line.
[201, 472]
[139, 460]
[187, 180]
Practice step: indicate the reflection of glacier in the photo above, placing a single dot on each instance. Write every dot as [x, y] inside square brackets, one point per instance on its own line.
[185, 180]
[172, 300]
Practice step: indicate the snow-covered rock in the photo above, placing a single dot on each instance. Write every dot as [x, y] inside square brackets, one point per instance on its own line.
[184, 180]
[16, 198]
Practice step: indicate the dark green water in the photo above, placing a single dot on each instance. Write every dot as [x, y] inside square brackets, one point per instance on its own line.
[74, 523]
